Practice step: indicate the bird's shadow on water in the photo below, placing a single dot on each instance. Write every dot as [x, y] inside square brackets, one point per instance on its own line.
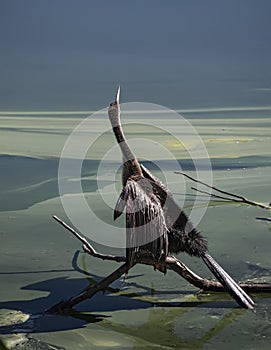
[101, 304]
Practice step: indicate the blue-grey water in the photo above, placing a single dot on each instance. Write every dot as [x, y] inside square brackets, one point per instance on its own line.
[71, 55]
[62, 60]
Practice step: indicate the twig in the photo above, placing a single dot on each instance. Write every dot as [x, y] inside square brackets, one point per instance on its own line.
[170, 263]
[217, 196]
[87, 246]
[242, 199]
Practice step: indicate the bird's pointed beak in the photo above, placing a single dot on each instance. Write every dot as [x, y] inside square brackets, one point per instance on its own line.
[118, 95]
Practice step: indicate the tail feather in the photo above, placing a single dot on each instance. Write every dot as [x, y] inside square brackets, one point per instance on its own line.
[232, 287]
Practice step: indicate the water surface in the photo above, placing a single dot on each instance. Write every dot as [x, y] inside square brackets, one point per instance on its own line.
[42, 264]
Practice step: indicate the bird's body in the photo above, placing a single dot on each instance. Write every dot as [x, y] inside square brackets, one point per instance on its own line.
[155, 223]
[146, 231]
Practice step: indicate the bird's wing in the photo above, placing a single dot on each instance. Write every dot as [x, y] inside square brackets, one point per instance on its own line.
[146, 231]
[174, 214]
[121, 203]
[147, 174]
[191, 240]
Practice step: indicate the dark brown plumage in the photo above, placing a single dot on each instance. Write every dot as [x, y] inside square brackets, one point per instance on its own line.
[155, 223]
[146, 231]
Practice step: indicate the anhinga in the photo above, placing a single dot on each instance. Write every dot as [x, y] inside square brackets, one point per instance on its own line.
[155, 223]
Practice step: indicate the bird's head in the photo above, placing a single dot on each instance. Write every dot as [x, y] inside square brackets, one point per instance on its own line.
[114, 110]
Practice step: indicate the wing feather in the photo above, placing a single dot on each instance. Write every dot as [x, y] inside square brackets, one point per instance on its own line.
[146, 231]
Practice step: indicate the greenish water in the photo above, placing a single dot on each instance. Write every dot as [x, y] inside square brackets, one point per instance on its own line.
[41, 264]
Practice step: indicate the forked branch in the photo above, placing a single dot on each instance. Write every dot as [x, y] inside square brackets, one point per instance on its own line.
[234, 197]
[171, 263]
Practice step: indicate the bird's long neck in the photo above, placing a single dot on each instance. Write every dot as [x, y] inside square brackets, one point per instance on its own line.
[131, 166]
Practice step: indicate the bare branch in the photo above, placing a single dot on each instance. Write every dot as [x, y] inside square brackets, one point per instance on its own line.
[87, 246]
[217, 196]
[170, 263]
[241, 199]
[88, 292]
